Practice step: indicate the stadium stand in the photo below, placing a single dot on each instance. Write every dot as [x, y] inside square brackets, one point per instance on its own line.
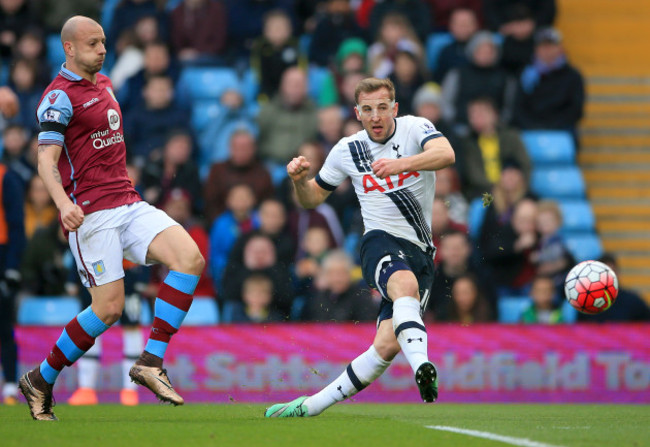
[549, 147]
[47, 310]
[558, 182]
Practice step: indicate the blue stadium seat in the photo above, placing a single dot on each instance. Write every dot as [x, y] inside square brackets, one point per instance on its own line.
[577, 216]
[316, 77]
[584, 246]
[55, 53]
[107, 13]
[203, 113]
[434, 45]
[475, 217]
[204, 312]
[47, 310]
[206, 82]
[510, 308]
[558, 182]
[569, 314]
[549, 147]
[250, 86]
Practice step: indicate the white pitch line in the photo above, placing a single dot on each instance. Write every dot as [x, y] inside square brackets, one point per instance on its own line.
[521, 442]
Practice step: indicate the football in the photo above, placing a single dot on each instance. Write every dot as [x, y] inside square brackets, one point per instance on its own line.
[591, 287]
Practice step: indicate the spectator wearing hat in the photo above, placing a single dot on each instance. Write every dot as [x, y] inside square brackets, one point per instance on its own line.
[487, 148]
[463, 24]
[550, 93]
[482, 77]
[427, 103]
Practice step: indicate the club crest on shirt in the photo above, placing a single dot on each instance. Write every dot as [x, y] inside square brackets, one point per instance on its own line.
[99, 268]
[110, 92]
[113, 119]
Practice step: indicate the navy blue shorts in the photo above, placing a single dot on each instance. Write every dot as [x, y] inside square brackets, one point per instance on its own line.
[383, 254]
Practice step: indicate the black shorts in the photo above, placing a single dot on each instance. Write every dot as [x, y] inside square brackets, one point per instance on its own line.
[383, 254]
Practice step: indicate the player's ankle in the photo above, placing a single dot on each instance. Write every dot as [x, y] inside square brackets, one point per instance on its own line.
[148, 359]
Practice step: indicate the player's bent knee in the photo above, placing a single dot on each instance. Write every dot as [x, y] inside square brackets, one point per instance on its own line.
[387, 349]
[402, 283]
[195, 263]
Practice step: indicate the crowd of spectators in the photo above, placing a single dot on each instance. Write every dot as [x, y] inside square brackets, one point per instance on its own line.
[503, 70]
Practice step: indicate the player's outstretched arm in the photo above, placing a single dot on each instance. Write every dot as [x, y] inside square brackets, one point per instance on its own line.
[437, 154]
[309, 194]
[72, 215]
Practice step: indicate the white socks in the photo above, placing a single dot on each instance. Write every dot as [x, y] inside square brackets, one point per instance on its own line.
[359, 374]
[410, 331]
[88, 366]
[133, 344]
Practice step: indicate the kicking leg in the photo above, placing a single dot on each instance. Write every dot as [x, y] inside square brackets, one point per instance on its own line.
[360, 373]
[410, 332]
[175, 248]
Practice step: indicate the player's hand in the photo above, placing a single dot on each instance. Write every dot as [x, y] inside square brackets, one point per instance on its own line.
[72, 216]
[385, 167]
[298, 168]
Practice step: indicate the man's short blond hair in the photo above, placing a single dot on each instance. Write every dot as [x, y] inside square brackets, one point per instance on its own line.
[369, 85]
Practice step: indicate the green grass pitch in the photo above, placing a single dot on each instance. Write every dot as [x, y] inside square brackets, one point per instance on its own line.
[344, 425]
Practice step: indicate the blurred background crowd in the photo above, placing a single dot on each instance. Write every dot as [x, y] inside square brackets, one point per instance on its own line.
[218, 95]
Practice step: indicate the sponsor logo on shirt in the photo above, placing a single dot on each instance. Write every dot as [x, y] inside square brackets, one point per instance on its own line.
[90, 103]
[102, 140]
[53, 97]
[51, 115]
[113, 119]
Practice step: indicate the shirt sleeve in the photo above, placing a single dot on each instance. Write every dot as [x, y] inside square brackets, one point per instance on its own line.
[423, 130]
[332, 174]
[54, 113]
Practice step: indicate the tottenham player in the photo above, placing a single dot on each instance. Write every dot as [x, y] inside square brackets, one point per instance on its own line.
[82, 160]
[391, 164]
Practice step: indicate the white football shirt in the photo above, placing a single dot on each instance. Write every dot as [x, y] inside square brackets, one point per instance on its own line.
[401, 204]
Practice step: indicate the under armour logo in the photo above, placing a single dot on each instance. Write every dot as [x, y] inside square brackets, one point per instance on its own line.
[401, 254]
[396, 149]
[409, 340]
[340, 388]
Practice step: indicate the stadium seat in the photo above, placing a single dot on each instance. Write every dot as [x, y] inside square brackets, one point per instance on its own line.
[250, 86]
[547, 147]
[107, 13]
[316, 77]
[203, 312]
[206, 82]
[558, 182]
[55, 53]
[577, 216]
[584, 246]
[434, 45]
[203, 113]
[475, 217]
[47, 310]
[510, 308]
[569, 314]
